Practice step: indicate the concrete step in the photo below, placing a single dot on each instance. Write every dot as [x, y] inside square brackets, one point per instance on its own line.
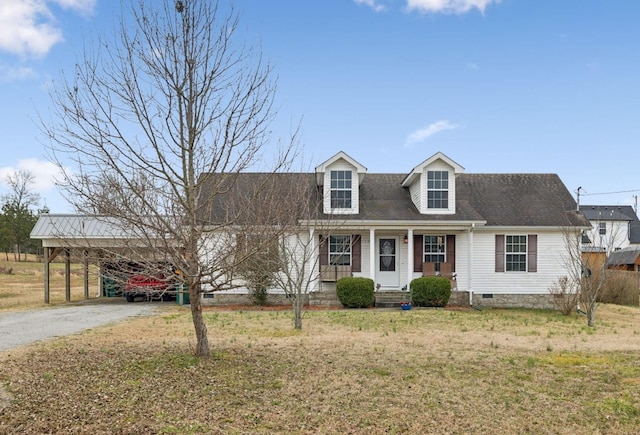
[390, 299]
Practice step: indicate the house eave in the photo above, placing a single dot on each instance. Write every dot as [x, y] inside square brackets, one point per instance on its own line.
[402, 225]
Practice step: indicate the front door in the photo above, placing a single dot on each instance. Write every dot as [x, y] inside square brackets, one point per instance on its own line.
[387, 271]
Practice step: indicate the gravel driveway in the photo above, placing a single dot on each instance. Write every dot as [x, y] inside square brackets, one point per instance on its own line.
[25, 327]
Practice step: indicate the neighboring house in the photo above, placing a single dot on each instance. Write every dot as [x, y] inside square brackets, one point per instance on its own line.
[614, 227]
[499, 237]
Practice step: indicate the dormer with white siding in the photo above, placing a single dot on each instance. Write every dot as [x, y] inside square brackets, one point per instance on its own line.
[432, 185]
[340, 176]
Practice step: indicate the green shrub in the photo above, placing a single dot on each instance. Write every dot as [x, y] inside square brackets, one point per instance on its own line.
[430, 291]
[355, 292]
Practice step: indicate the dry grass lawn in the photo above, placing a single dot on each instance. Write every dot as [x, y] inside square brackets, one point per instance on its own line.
[22, 284]
[348, 371]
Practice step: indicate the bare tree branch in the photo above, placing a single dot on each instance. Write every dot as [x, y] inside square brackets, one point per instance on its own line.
[157, 124]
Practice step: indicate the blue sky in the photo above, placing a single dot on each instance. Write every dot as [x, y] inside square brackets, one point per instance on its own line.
[499, 86]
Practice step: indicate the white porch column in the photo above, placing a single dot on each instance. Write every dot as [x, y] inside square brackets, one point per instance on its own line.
[372, 254]
[470, 262]
[409, 256]
[315, 265]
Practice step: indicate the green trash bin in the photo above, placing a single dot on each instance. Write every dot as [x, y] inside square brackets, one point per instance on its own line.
[111, 287]
[182, 295]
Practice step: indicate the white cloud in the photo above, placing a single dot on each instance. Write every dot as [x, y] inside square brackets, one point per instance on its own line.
[9, 74]
[448, 6]
[29, 27]
[428, 131]
[44, 173]
[373, 4]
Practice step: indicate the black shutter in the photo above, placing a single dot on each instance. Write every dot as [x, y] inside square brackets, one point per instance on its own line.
[532, 253]
[418, 241]
[324, 251]
[451, 251]
[499, 252]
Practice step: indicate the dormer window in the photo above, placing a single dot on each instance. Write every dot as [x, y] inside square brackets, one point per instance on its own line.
[340, 189]
[438, 189]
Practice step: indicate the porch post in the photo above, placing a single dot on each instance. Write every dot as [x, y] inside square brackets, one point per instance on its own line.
[470, 262]
[409, 256]
[372, 254]
[85, 264]
[315, 264]
[46, 274]
[67, 275]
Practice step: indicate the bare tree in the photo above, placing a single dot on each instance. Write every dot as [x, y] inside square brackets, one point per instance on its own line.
[157, 124]
[298, 253]
[588, 252]
[21, 193]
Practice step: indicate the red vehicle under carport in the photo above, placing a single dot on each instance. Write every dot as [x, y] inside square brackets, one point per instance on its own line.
[148, 286]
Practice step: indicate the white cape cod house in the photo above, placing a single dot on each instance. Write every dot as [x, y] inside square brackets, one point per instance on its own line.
[499, 237]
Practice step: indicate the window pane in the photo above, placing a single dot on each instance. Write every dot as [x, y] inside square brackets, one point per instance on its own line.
[516, 253]
[434, 250]
[340, 189]
[340, 250]
[341, 199]
[437, 189]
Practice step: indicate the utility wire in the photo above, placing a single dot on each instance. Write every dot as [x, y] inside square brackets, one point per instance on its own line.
[610, 193]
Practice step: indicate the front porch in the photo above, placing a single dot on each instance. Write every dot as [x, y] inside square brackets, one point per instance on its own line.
[393, 256]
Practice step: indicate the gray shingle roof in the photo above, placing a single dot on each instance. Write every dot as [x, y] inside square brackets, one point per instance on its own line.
[498, 199]
[624, 213]
[623, 257]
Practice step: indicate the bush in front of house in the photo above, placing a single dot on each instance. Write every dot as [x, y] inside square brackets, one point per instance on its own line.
[430, 291]
[355, 292]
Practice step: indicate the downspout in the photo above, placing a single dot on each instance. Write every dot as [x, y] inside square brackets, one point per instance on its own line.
[372, 254]
[470, 262]
[409, 257]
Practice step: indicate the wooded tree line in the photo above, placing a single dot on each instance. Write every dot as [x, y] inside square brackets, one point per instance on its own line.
[17, 217]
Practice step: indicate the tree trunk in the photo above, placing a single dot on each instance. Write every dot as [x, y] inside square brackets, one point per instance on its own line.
[202, 342]
[591, 316]
[297, 312]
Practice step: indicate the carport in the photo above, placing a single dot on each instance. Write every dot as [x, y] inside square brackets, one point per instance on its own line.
[92, 236]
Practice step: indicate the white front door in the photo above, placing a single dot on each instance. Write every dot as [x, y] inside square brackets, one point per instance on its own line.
[387, 270]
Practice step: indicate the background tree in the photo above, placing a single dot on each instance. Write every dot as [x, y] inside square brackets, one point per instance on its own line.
[156, 125]
[18, 218]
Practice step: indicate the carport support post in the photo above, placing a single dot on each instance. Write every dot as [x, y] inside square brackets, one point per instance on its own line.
[85, 261]
[46, 275]
[67, 275]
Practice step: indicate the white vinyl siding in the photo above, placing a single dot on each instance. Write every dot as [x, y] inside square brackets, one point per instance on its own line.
[551, 263]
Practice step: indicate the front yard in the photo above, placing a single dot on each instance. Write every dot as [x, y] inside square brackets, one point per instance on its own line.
[347, 371]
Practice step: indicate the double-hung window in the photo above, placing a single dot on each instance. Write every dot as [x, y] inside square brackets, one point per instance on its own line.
[516, 253]
[438, 189]
[602, 228]
[434, 250]
[340, 189]
[340, 250]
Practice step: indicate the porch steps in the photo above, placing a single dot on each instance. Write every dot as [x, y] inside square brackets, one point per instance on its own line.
[390, 299]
